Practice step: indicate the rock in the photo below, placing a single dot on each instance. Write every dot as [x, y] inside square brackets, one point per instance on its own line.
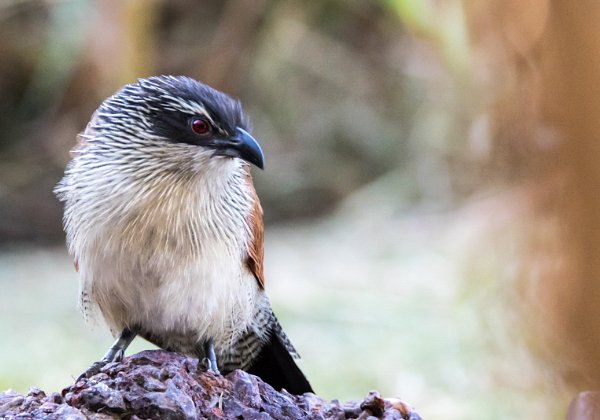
[585, 406]
[158, 384]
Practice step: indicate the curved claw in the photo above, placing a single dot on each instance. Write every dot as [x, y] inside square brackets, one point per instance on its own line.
[115, 353]
[94, 369]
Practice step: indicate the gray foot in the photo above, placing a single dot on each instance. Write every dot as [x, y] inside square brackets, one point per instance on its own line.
[211, 358]
[114, 354]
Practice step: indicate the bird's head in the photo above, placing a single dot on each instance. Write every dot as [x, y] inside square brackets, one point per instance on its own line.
[179, 112]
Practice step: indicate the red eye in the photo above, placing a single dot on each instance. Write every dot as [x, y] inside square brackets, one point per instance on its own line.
[200, 126]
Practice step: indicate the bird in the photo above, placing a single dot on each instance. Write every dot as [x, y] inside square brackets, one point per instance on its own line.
[166, 229]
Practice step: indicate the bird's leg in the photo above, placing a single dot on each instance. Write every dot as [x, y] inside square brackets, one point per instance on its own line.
[209, 351]
[114, 354]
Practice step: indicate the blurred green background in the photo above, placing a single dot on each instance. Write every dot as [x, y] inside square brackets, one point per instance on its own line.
[432, 189]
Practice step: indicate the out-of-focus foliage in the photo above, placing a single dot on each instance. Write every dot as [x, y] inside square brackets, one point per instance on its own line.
[340, 93]
[449, 147]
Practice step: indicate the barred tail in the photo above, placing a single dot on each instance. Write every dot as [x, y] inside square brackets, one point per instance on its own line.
[276, 366]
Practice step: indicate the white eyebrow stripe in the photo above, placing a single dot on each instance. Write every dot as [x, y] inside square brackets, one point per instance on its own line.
[190, 106]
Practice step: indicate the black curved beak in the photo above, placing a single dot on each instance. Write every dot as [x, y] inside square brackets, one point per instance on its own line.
[242, 145]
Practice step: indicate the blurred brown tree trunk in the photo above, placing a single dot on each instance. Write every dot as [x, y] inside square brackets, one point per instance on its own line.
[570, 99]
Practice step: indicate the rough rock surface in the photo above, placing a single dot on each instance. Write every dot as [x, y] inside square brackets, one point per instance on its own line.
[585, 406]
[160, 385]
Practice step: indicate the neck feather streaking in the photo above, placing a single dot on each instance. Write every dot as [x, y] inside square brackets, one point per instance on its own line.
[168, 206]
[164, 232]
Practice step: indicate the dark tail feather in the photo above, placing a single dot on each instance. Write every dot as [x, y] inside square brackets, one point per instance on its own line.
[276, 366]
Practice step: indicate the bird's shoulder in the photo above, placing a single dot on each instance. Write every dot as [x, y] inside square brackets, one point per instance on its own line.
[255, 258]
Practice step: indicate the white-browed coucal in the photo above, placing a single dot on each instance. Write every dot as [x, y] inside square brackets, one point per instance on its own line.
[166, 229]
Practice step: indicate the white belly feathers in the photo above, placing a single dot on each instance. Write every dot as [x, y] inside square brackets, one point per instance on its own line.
[212, 295]
[174, 261]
